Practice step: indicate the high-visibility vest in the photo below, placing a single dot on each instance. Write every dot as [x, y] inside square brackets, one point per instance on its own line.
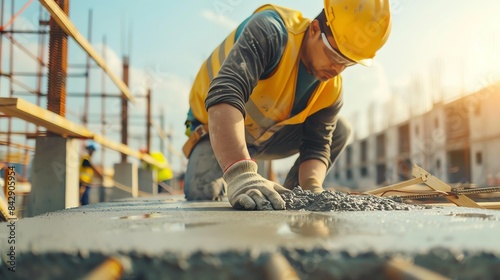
[86, 172]
[271, 101]
[164, 173]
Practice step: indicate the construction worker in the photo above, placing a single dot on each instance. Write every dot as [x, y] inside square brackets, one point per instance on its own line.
[272, 89]
[87, 172]
[164, 174]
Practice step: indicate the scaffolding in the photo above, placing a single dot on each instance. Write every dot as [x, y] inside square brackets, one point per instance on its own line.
[35, 69]
[10, 138]
[31, 85]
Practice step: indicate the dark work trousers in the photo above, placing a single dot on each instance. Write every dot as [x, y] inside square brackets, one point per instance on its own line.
[84, 200]
[203, 179]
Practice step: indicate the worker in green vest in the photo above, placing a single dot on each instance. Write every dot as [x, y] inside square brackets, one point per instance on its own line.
[163, 174]
[273, 89]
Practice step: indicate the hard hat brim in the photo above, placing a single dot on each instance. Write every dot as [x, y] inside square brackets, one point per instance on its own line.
[366, 62]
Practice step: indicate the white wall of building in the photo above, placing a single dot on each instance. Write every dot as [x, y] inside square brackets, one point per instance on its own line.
[392, 154]
[484, 117]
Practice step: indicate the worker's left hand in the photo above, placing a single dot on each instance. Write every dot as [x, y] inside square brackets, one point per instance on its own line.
[247, 190]
[314, 189]
[311, 184]
[311, 174]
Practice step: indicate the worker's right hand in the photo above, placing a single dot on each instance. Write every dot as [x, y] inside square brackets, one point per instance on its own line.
[247, 190]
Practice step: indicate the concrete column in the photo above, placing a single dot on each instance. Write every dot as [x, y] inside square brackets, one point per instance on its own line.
[147, 179]
[126, 174]
[55, 175]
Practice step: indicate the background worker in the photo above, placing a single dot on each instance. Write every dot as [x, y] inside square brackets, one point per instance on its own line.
[87, 172]
[273, 89]
[164, 174]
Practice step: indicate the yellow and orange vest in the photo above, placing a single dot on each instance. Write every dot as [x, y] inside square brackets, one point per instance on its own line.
[271, 101]
[86, 172]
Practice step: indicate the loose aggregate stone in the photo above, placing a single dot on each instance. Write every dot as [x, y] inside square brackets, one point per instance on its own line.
[299, 199]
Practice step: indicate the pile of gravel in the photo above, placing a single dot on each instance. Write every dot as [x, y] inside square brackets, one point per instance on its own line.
[299, 199]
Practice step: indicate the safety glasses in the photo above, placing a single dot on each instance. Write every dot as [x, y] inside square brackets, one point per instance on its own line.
[337, 56]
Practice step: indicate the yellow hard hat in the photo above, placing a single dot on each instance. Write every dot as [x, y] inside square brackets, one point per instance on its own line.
[360, 27]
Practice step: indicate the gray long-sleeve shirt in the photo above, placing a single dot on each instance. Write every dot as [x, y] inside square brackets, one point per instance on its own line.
[259, 46]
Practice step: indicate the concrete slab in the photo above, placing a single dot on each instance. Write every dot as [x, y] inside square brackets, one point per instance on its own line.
[166, 237]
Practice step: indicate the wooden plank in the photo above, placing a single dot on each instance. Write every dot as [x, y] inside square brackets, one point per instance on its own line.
[29, 112]
[55, 123]
[127, 150]
[403, 184]
[436, 184]
[460, 200]
[4, 205]
[111, 269]
[69, 28]
[278, 267]
[4, 210]
[16, 145]
[398, 268]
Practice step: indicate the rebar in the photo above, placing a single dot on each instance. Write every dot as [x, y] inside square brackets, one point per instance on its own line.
[58, 65]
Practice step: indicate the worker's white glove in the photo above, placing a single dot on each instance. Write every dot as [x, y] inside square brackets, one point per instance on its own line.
[247, 190]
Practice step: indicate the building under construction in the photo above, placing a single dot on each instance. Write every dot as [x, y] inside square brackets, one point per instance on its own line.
[416, 208]
[456, 141]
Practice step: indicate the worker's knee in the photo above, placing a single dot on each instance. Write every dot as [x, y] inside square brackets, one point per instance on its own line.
[343, 131]
[292, 178]
[203, 178]
[341, 138]
[203, 190]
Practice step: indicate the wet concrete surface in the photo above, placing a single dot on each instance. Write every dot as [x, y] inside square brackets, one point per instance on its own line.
[166, 238]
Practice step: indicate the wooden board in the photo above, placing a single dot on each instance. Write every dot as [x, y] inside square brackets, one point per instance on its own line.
[4, 210]
[422, 176]
[436, 184]
[29, 112]
[399, 268]
[400, 185]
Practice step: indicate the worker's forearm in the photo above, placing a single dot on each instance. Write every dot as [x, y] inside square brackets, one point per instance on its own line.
[227, 134]
[312, 173]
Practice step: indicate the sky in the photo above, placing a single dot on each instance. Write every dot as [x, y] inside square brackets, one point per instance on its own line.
[453, 43]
